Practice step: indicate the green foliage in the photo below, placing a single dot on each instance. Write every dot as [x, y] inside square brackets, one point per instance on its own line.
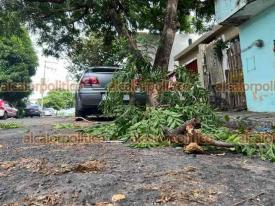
[64, 126]
[242, 126]
[139, 127]
[18, 60]
[226, 118]
[62, 24]
[267, 152]
[9, 24]
[93, 51]
[114, 100]
[264, 151]
[254, 147]
[193, 92]
[59, 99]
[219, 47]
[9, 125]
[203, 112]
[144, 127]
[108, 131]
[150, 128]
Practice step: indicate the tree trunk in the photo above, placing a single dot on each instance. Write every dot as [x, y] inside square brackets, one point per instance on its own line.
[166, 43]
[168, 36]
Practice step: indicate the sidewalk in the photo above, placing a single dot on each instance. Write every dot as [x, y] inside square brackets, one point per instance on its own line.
[252, 119]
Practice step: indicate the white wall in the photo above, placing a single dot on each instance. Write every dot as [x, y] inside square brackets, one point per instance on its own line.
[180, 43]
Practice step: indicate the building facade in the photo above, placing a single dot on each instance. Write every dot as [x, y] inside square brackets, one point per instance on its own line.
[216, 57]
[236, 60]
[256, 22]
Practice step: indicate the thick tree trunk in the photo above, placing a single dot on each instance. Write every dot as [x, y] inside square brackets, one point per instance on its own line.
[166, 43]
[168, 36]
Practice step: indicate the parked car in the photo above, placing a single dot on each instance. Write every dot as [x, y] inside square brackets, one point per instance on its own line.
[66, 112]
[7, 110]
[33, 110]
[93, 88]
[49, 112]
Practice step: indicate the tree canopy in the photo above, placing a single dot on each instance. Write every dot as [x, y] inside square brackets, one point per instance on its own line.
[63, 22]
[18, 60]
[59, 99]
[92, 51]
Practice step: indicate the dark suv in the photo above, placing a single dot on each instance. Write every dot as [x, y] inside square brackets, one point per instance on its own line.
[92, 90]
[33, 110]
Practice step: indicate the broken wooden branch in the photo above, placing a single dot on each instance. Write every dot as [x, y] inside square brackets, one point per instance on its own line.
[195, 123]
[189, 133]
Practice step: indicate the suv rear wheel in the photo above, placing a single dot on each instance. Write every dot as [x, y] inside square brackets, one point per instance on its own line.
[80, 114]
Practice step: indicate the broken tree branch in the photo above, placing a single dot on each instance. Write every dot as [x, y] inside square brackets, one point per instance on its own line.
[187, 134]
[182, 129]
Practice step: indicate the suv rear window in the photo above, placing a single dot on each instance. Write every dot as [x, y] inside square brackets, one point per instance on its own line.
[32, 107]
[103, 70]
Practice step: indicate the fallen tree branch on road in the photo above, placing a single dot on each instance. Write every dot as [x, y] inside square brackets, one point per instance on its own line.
[189, 135]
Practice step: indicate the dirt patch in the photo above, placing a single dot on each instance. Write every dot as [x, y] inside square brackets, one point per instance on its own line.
[200, 196]
[42, 166]
[170, 192]
[43, 200]
[89, 166]
[8, 165]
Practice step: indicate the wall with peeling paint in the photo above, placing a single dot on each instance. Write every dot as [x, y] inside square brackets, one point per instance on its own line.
[259, 63]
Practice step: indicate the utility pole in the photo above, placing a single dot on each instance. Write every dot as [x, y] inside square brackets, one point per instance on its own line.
[43, 80]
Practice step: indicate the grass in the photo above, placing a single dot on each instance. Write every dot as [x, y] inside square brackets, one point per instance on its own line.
[64, 126]
[9, 125]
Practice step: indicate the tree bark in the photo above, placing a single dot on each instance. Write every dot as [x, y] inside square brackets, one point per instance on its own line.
[195, 123]
[166, 43]
[186, 134]
[168, 36]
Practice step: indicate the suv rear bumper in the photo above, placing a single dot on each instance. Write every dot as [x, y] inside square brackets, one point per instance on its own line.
[89, 99]
[92, 99]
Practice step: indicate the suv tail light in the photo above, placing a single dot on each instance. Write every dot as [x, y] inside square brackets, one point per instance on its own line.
[89, 81]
